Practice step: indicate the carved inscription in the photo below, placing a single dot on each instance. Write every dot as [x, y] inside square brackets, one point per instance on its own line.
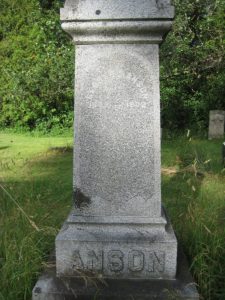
[77, 261]
[94, 261]
[136, 261]
[156, 262]
[117, 262]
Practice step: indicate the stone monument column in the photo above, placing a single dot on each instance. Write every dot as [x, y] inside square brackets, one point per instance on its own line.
[117, 228]
[117, 242]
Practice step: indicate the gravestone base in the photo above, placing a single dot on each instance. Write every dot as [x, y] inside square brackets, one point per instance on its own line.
[50, 287]
[117, 250]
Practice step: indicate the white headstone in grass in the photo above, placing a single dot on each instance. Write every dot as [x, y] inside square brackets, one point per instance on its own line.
[117, 228]
[216, 124]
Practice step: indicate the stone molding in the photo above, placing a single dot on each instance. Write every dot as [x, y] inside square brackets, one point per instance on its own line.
[116, 32]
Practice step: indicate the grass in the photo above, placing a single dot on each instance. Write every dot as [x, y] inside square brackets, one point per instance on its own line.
[35, 197]
[35, 201]
[193, 189]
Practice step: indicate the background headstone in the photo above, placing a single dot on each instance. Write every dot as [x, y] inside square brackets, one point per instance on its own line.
[216, 124]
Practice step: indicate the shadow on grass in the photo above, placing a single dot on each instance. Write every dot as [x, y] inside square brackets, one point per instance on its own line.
[5, 147]
[43, 190]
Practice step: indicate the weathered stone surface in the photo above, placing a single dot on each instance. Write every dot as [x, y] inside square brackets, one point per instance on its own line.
[117, 32]
[117, 21]
[50, 287]
[117, 251]
[117, 132]
[80, 10]
[216, 124]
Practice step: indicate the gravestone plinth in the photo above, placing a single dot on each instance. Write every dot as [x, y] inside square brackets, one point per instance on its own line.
[216, 124]
[117, 229]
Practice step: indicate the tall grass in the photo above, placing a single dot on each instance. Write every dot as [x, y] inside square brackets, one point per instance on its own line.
[194, 196]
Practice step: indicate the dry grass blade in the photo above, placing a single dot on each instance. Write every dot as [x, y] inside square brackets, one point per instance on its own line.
[174, 171]
[20, 208]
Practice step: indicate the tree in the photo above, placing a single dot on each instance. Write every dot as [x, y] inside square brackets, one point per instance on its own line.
[193, 73]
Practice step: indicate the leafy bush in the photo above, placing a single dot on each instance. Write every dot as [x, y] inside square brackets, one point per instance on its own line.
[36, 57]
[37, 66]
[193, 64]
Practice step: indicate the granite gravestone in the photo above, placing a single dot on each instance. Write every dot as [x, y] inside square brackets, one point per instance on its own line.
[216, 124]
[117, 229]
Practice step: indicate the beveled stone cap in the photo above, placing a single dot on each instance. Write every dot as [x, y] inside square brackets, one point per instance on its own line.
[117, 21]
[83, 10]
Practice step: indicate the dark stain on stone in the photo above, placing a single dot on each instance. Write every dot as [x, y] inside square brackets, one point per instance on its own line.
[37, 290]
[80, 199]
[98, 12]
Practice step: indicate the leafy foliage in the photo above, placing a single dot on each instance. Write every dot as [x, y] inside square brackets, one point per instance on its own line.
[36, 85]
[193, 65]
[36, 57]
